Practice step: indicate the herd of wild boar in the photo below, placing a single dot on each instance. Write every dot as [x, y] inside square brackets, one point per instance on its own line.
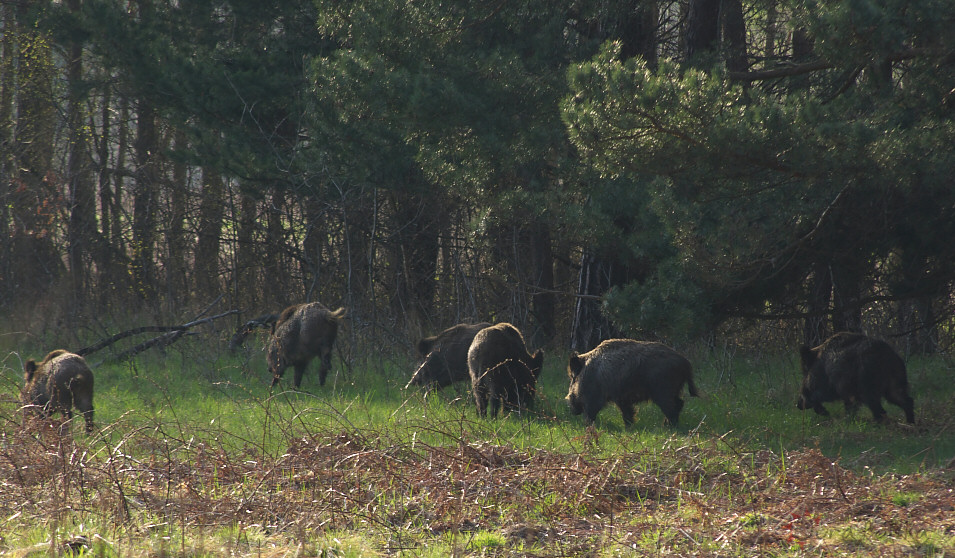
[495, 361]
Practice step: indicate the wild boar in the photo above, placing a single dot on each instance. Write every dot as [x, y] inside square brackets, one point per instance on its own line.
[445, 356]
[60, 382]
[626, 372]
[502, 371]
[856, 369]
[301, 333]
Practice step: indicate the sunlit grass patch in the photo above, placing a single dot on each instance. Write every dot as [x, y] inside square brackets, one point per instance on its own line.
[903, 499]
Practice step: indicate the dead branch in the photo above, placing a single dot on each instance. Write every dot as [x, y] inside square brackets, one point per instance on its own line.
[163, 340]
[244, 330]
[171, 335]
[120, 336]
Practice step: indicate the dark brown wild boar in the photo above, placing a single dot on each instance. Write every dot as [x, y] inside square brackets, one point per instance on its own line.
[627, 372]
[445, 356]
[502, 371]
[301, 333]
[60, 382]
[856, 369]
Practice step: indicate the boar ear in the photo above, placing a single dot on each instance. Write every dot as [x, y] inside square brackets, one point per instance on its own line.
[29, 369]
[574, 365]
[285, 315]
[538, 360]
[425, 345]
[808, 358]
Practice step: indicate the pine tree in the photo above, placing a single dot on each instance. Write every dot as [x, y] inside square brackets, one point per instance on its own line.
[765, 187]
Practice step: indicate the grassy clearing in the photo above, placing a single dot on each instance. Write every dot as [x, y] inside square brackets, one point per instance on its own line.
[196, 457]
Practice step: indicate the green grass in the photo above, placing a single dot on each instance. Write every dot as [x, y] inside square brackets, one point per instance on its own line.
[751, 407]
[186, 440]
[746, 405]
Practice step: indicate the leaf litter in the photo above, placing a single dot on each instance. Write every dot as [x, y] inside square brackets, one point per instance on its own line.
[690, 498]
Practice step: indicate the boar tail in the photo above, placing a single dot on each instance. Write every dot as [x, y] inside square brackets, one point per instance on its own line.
[338, 315]
[691, 387]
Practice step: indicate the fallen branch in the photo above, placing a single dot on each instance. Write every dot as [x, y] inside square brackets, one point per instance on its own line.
[161, 341]
[128, 333]
[171, 335]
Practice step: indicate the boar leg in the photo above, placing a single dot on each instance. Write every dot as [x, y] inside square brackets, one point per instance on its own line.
[511, 399]
[852, 407]
[627, 411]
[85, 406]
[878, 411]
[494, 400]
[88, 417]
[901, 398]
[326, 366]
[480, 399]
[820, 410]
[299, 372]
[871, 397]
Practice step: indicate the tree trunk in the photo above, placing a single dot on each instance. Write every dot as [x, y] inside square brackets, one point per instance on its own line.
[176, 244]
[701, 30]
[734, 36]
[143, 270]
[278, 292]
[543, 299]
[246, 266]
[802, 48]
[769, 47]
[802, 45]
[417, 222]
[106, 270]
[209, 233]
[916, 316]
[815, 330]
[82, 206]
[359, 216]
[590, 326]
[846, 294]
[917, 324]
[639, 33]
[114, 274]
[7, 159]
[314, 247]
[33, 260]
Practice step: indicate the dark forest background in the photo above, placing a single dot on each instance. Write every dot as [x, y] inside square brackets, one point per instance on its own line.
[658, 169]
